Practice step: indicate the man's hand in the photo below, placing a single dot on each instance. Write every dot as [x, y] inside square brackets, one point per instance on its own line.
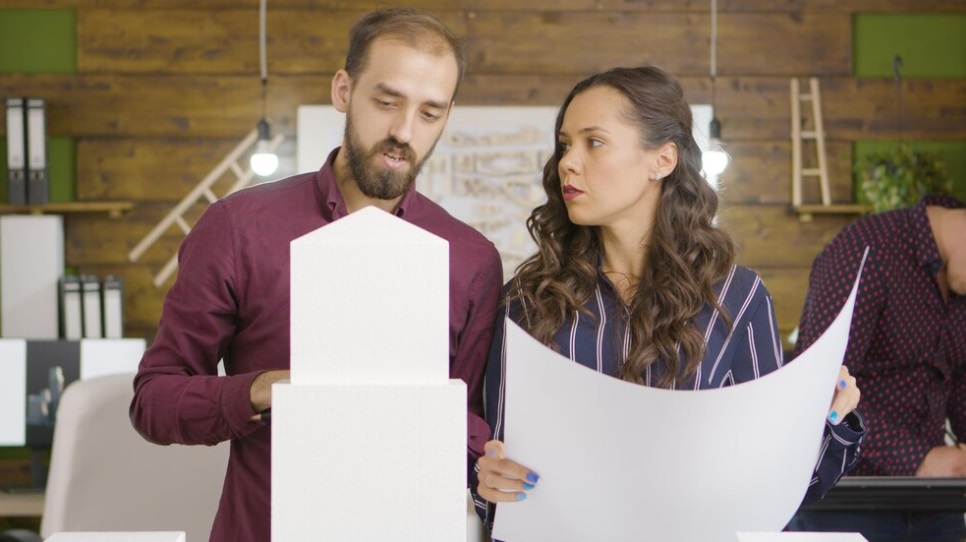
[944, 462]
[260, 394]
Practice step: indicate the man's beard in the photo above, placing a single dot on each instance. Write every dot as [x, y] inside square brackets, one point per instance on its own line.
[377, 181]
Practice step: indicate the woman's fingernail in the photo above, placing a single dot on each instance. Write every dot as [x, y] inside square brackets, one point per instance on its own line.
[833, 416]
[532, 478]
[521, 496]
[842, 384]
[490, 452]
[528, 486]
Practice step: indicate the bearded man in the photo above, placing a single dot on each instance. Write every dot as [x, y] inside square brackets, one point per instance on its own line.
[231, 298]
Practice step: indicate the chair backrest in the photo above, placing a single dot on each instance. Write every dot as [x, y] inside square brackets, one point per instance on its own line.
[105, 477]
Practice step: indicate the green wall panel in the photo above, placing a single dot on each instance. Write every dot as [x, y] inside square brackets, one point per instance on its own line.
[932, 45]
[38, 41]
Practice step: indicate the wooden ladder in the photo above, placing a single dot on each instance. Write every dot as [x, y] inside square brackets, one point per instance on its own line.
[817, 134]
[202, 190]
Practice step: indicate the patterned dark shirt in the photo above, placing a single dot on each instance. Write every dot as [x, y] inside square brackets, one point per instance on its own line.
[748, 350]
[907, 347]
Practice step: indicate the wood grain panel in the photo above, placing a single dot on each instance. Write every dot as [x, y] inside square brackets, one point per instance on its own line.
[146, 169]
[869, 106]
[546, 42]
[438, 6]
[853, 109]
[168, 169]
[229, 106]
[761, 172]
[583, 43]
[96, 239]
[771, 236]
[165, 105]
[217, 41]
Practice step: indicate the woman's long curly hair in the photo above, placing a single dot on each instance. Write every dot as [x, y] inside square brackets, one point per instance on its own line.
[686, 252]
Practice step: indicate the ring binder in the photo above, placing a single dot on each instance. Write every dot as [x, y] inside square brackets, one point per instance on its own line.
[38, 192]
[71, 313]
[16, 153]
[91, 301]
[113, 307]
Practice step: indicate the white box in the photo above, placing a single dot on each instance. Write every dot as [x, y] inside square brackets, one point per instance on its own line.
[173, 536]
[100, 357]
[370, 303]
[31, 264]
[369, 462]
[13, 392]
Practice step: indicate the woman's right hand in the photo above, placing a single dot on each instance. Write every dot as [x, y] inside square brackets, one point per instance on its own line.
[500, 479]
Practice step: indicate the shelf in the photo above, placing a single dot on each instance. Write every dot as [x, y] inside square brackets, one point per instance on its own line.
[114, 209]
[805, 212]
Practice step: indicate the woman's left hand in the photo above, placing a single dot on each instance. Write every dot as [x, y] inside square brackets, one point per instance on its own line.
[846, 397]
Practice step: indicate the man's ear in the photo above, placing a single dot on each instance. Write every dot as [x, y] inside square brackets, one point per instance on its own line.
[341, 90]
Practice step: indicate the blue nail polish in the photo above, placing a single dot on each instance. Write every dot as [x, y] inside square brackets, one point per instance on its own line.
[833, 416]
[521, 496]
[532, 478]
[842, 384]
[491, 452]
[528, 486]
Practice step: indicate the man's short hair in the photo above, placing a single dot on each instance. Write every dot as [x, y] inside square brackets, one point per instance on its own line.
[416, 28]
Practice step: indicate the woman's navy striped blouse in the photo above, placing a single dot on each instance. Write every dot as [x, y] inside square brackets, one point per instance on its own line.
[749, 349]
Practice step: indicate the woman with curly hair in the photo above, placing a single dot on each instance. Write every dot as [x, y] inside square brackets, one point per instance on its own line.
[632, 277]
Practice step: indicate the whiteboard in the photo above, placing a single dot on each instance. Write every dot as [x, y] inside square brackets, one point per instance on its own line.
[486, 169]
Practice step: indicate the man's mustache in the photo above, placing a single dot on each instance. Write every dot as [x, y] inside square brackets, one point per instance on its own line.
[397, 148]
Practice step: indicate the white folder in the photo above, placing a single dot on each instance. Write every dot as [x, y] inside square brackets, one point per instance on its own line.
[16, 153]
[91, 301]
[113, 307]
[71, 312]
[38, 191]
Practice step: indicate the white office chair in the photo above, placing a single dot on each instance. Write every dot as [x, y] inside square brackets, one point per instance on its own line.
[105, 477]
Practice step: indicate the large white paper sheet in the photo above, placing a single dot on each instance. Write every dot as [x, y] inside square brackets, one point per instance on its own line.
[623, 462]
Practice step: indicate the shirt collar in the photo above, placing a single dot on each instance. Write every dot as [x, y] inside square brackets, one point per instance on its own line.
[928, 251]
[335, 207]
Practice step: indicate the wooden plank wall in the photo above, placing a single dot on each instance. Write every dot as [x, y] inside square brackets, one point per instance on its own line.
[166, 87]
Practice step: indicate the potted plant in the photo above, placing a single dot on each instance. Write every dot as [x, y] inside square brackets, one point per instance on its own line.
[899, 177]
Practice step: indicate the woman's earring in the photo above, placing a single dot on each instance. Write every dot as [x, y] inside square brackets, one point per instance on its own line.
[657, 175]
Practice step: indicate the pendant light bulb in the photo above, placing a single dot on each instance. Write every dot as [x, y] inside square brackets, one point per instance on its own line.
[715, 159]
[264, 161]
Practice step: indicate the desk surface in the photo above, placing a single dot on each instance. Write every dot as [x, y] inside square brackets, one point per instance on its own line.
[894, 493]
[21, 504]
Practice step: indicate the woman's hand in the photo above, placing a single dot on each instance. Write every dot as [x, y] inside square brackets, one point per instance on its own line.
[500, 479]
[846, 397]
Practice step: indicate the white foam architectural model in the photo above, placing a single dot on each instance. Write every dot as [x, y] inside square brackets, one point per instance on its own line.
[369, 436]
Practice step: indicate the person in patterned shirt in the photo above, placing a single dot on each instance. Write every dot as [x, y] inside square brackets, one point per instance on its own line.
[907, 350]
[633, 279]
